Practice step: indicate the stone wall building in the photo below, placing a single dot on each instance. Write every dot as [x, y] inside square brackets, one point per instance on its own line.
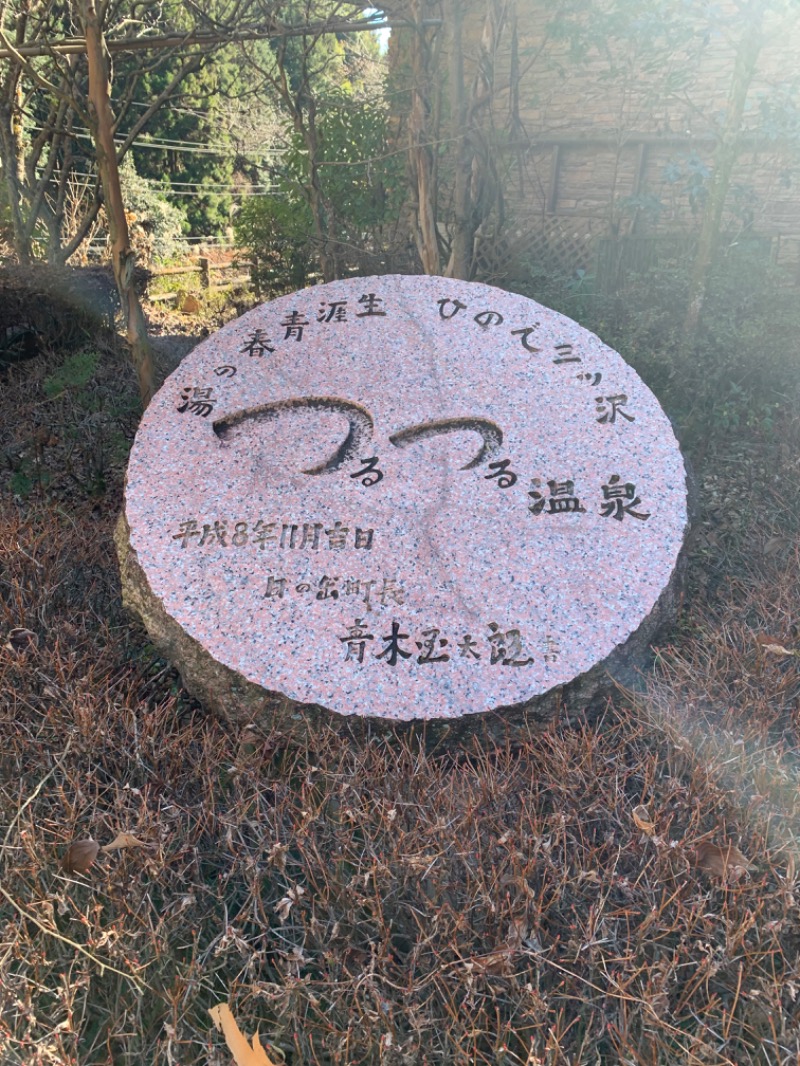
[610, 115]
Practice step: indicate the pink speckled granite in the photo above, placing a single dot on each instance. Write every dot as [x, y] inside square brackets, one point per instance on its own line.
[520, 595]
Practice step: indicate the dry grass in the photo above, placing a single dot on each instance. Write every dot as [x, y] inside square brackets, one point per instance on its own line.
[384, 903]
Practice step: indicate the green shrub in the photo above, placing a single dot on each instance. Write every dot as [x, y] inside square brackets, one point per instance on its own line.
[361, 198]
[149, 209]
[738, 368]
[277, 234]
[74, 373]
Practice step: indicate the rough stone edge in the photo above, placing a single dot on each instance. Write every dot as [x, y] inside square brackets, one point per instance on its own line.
[231, 696]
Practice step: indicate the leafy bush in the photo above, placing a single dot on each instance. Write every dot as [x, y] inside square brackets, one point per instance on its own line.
[738, 368]
[157, 226]
[361, 198]
[74, 373]
[277, 234]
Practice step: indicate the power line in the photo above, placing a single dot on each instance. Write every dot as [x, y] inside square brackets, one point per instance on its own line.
[164, 145]
[192, 112]
[192, 187]
[211, 185]
[205, 39]
[231, 192]
[169, 144]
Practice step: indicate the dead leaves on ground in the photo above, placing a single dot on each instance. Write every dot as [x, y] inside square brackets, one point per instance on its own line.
[641, 817]
[243, 1053]
[284, 906]
[770, 645]
[520, 939]
[726, 862]
[776, 545]
[20, 640]
[123, 840]
[81, 854]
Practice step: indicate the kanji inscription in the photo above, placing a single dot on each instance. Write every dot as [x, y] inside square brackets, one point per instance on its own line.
[395, 497]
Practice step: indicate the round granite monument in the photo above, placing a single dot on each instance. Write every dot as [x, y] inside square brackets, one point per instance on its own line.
[402, 498]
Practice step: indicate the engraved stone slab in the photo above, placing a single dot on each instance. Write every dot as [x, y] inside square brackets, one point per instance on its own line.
[401, 498]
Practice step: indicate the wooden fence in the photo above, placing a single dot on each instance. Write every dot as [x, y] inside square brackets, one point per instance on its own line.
[204, 267]
[609, 264]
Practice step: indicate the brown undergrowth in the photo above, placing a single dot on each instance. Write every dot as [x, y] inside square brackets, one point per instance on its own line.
[559, 903]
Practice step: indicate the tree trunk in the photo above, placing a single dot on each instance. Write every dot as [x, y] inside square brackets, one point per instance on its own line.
[11, 156]
[122, 257]
[724, 161]
[460, 262]
[475, 182]
[320, 209]
[22, 244]
[420, 153]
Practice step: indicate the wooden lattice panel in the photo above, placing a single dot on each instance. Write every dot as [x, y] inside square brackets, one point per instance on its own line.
[549, 245]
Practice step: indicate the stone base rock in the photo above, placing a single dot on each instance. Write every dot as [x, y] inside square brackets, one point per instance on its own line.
[228, 694]
[404, 499]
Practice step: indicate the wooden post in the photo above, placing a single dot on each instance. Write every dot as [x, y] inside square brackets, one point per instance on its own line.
[205, 272]
[555, 173]
[255, 280]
